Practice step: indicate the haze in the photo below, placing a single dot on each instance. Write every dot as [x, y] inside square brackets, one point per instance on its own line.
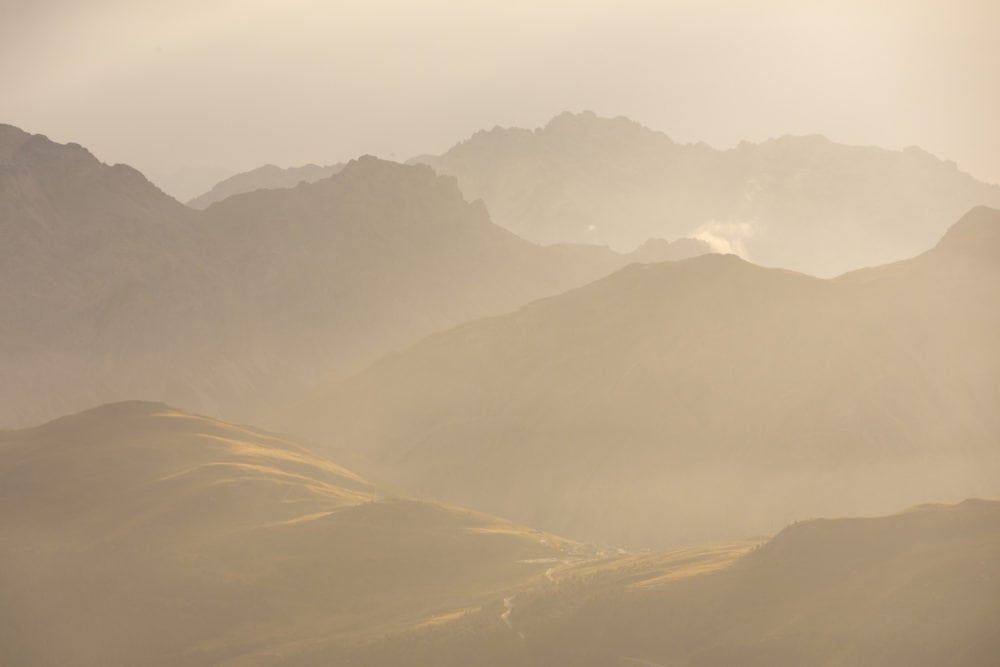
[190, 92]
[443, 334]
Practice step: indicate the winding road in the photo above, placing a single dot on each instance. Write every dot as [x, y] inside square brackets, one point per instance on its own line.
[508, 609]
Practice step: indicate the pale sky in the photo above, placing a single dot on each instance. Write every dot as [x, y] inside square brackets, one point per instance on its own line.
[236, 84]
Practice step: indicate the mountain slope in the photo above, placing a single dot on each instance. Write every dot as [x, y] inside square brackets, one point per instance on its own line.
[917, 588]
[749, 397]
[802, 203]
[263, 178]
[63, 184]
[136, 534]
[117, 291]
[82, 243]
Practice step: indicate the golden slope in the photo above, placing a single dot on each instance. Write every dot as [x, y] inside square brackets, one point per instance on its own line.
[136, 534]
[921, 588]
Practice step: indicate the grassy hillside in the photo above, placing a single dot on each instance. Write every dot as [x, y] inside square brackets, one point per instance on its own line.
[917, 588]
[136, 534]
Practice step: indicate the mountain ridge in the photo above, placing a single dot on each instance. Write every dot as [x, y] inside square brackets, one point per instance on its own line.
[123, 292]
[268, 176]
[712, 383]
[800, 202]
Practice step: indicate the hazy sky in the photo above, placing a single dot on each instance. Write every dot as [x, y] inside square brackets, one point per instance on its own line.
[234, 84]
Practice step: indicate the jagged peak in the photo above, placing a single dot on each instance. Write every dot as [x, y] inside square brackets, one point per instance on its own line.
[370, 166]
[11, 138]
[366, 173]
[56, 164]
[18, 146]
[586, 120]
[570, 119]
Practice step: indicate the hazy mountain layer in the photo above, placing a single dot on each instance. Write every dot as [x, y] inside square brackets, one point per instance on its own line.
[135, 534]
[918, 588]
[803, 203]
[264, 178]
[700, 399]
[114, 291]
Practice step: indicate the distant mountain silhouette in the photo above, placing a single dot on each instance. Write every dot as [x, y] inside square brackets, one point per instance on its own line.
[115, 291]
[699, 399]
[797, 202]
[264, 178]
[136, 534]
[918, 588]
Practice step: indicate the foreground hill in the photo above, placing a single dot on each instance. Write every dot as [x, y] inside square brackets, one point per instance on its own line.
[700, 399]
[135, 534]
[918, 588]
[802, 203]
[267, 177]
[116, 291]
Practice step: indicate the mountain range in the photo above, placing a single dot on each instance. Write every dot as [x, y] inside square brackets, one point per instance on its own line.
[701, 399]
[117, 291]
[798, 202]
[507, 454]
